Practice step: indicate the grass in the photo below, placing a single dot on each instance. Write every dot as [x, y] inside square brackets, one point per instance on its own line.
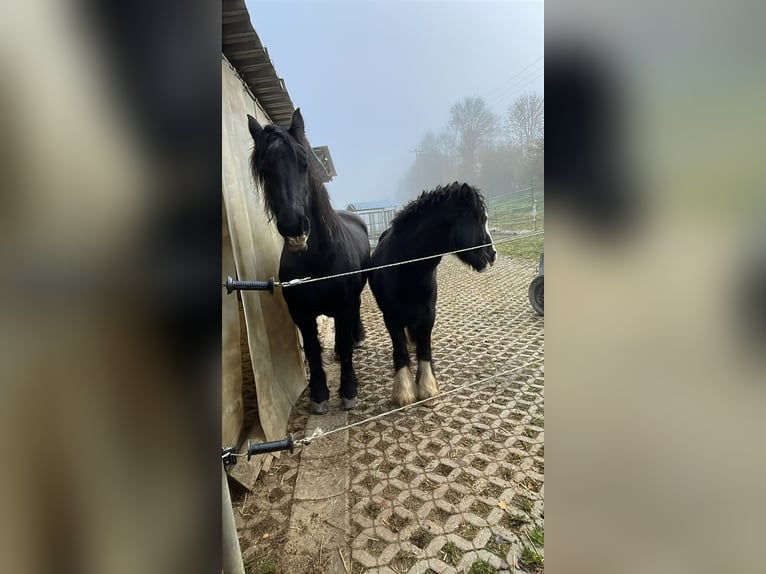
[514, 212]
[498, 548]
[524, 503]
[531, 558]
[261, 566]
[481, 567]
[528, 248]
[512, 522]
[450, 554]
[537, 536]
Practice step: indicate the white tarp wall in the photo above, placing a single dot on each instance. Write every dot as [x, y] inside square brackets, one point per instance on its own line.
[251, 250]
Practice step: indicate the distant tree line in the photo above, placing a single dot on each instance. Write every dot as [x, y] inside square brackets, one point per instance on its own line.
[496, 154]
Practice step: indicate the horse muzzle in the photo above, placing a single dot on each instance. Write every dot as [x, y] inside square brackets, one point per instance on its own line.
[297, 244]
[491, 258]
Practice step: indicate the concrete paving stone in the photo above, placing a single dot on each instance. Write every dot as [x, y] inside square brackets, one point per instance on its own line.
[335, 444]
[321, 479]
[442, 467]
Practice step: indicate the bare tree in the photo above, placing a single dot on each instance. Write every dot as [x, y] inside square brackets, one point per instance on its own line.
[473, 126]
[433, 165]
[525, 121]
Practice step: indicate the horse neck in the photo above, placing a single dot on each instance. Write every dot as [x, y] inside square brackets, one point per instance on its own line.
[325, 221]
[430, 237]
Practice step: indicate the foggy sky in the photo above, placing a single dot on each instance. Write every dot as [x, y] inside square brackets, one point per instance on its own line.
[372, 77]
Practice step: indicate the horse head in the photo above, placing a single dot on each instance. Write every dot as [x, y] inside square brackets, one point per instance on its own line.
[473, 229]
[280, 163]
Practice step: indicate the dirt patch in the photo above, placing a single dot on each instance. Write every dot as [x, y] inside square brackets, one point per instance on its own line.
[375, 546]
[468, 531]
[513, 522]
[403, 561]
[421, 538]
[396, 522]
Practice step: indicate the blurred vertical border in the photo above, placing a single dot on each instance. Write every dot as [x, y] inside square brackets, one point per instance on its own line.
[655, 323]
[109, 286]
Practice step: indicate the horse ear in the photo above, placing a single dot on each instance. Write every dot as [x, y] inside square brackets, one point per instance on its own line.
[254, 127]
[297, 129]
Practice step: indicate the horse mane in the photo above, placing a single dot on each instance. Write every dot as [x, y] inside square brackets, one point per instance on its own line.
[319, 196]
[466, 195]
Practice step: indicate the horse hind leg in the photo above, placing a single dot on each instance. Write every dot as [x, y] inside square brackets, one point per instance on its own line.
[359, 333]
[411, 346]
[348, 394]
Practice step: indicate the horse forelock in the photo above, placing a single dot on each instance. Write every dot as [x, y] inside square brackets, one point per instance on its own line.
[269, 137]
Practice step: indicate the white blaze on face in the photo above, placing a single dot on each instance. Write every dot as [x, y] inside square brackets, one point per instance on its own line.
[486, 226]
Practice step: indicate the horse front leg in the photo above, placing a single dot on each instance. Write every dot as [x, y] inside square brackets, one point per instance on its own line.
[318, 379]
[404, 385]
[427, 386]
[344, 331]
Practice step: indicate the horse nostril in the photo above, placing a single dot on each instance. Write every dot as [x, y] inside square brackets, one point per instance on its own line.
[305, 226]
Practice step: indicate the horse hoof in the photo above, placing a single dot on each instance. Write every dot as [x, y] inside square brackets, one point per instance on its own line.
[427, 386]
[348, 404]
[318, 408]
[404, 388]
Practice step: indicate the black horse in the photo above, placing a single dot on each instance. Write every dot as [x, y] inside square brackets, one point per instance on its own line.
[318, 242]
[445, 219]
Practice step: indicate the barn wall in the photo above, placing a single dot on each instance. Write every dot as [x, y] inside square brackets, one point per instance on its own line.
[272, 336]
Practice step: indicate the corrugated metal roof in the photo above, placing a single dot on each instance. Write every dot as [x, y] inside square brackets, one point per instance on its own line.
[365, 205]
[244, 49]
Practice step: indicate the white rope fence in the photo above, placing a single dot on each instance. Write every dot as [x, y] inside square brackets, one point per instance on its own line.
[319, 433]
[305, 280]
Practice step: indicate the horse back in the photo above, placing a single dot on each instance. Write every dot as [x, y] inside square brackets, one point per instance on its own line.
[353, 222]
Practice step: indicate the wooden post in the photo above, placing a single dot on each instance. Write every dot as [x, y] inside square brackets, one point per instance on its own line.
[232, 554]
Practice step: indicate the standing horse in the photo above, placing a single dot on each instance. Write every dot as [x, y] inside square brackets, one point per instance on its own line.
[318, 241]
[445, 219]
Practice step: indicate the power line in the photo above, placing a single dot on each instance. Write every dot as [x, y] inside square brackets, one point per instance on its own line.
[513, 85]
[510, 90]
[502, 85]
[541, 73]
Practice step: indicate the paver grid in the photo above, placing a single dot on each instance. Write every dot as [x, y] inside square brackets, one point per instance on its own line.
[460, 479]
